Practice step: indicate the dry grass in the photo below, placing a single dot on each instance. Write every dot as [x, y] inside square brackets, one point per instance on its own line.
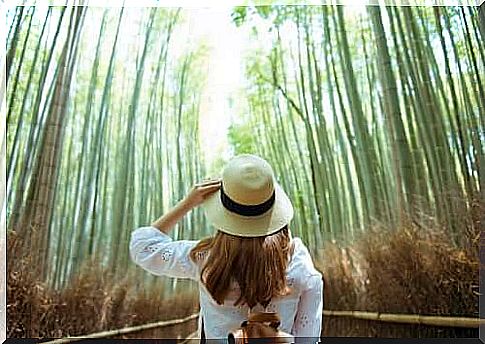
[414, 269]
[88, 306]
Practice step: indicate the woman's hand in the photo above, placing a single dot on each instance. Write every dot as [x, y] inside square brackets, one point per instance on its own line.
[199, 193]
[196, 196]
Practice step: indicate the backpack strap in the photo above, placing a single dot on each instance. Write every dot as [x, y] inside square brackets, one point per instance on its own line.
[270, 318]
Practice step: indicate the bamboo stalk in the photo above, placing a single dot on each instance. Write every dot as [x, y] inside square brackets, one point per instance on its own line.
[429, 320]
[125, 330]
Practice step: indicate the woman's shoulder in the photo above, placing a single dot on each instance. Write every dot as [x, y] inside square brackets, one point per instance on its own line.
[301, 264]
[300, 251]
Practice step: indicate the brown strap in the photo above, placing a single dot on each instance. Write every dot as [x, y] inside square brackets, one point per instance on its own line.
[272, 318]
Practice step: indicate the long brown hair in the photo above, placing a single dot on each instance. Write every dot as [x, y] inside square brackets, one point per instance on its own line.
[257, 264]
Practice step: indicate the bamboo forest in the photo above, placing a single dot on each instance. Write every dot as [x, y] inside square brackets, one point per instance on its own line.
[372, 118]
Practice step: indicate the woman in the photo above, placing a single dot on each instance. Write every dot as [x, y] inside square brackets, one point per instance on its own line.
[251, 263]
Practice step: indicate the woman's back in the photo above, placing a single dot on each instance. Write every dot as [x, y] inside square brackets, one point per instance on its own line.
[300, 311]
[296, 310]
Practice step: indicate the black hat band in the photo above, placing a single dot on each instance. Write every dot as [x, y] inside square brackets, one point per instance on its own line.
[246, 210]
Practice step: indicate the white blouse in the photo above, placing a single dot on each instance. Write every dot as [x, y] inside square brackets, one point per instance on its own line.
[300, 312]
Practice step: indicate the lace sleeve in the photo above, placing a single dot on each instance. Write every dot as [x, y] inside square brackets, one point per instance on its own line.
[308, 318]
[158, 254]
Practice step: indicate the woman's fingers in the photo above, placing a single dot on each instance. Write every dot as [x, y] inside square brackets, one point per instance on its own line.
[206, 192]
[208, 183]
[209, 188]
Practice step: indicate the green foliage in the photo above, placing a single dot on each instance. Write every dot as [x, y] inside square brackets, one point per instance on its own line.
[239, 15]
[241, 138]
[264, 11]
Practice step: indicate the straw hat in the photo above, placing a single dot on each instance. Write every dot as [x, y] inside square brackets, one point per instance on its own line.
[250, 202]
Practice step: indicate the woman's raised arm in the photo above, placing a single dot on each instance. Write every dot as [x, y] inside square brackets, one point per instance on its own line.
[152, 249]
[195, 197]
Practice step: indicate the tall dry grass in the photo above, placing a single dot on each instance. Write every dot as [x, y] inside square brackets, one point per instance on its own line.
[89, 304]
[414, 269]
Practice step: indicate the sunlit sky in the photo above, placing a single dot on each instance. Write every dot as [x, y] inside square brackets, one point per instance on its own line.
[225, 75]
[225, 78]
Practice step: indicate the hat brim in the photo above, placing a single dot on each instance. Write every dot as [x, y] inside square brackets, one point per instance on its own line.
[249, 226]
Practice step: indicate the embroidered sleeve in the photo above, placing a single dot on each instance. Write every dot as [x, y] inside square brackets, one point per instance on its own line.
[158, 254]
[308, 318]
